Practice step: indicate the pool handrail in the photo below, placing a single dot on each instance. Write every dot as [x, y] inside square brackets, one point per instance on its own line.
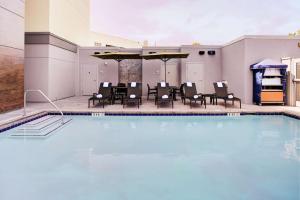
[47, 98]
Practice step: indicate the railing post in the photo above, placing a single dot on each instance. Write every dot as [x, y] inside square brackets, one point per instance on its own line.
[47, 98]
[24, 109]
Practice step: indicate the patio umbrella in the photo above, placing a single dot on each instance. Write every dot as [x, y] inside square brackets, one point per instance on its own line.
[117, 56]
[165, 57]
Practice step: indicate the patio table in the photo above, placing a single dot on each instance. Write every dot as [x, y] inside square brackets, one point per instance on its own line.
[211, 97]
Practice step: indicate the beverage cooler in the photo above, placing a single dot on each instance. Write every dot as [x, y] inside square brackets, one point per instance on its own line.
[269, 82]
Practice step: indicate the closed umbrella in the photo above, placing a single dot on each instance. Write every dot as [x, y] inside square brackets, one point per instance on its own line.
[165, 57]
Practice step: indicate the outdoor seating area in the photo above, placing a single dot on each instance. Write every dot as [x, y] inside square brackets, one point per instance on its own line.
[163, 94]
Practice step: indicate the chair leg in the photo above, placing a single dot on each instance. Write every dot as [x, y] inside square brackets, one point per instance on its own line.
[89, 104]
[225, 102]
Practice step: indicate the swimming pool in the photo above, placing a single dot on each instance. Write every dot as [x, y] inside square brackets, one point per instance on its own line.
[155, 157]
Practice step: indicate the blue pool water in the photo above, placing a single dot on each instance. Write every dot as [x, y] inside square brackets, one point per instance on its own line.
[155, 158]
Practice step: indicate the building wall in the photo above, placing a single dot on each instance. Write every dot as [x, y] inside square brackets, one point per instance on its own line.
[212, 64]
[257, 49]
[50, 67]
[37, 17]
[11, 54]
[61, 73]
[69, 20]
[147, 71]
[37, 70]
[107, 70]
[233, 68]
[152, 68]
[239, 55]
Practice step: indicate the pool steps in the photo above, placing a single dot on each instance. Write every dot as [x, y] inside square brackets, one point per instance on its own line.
[41, 127]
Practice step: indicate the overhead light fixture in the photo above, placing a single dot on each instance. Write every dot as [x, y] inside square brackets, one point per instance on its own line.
[211, 53]
[201, 53]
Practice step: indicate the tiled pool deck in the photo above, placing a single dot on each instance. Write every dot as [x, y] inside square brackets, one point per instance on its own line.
[80, 104]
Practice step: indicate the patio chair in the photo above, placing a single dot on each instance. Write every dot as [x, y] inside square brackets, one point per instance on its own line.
[164, 94]
[221, 90]
[181, 92]
[120, 92]
[104, 94]
[151, 91]
[190, 93]
[134, 94]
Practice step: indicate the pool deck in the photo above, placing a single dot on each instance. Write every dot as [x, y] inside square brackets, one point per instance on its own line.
[80, 104]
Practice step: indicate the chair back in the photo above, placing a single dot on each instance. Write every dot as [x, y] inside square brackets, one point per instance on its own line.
[148, 86]
[137, 90]
[181, 90]
[105, 91]
[121, 90]
[163, 90]
[190, 91]
[221, 91]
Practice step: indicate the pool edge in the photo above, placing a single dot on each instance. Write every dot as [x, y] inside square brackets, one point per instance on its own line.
[15, 123]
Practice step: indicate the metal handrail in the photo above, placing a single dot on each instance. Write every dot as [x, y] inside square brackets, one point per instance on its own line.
[49, 100]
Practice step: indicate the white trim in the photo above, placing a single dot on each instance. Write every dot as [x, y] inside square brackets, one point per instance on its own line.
[263, 37]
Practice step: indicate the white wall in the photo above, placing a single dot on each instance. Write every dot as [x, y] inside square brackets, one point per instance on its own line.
[36, 70]
[211, 64]
[50, 69]
[107, 69]
[233, 68]
[61, 73]
[12, 24]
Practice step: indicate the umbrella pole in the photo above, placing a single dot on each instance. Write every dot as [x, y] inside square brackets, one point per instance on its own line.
[165, 71]
[119, 70]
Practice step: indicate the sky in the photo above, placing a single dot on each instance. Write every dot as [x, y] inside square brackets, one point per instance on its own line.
[208, 22]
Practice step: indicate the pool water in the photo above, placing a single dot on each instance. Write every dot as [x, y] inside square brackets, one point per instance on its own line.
[155, 158]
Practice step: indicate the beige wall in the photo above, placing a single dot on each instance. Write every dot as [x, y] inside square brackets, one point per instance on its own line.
[37, 16]
[233, 67]
[69, 19]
